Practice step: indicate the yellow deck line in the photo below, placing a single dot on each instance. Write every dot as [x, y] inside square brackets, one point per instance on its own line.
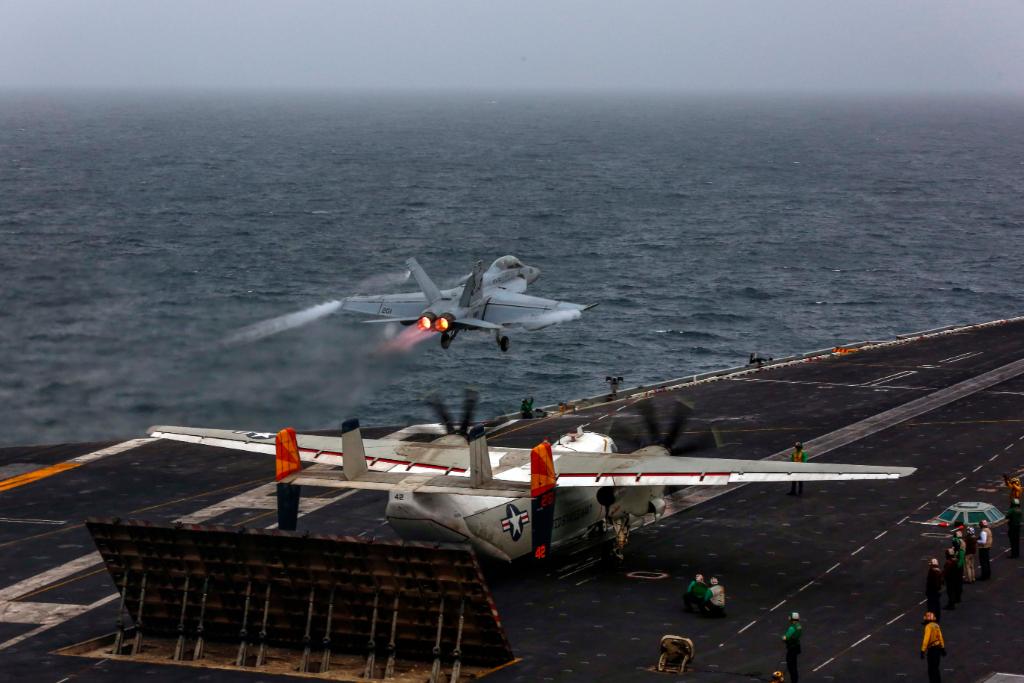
[36, 475]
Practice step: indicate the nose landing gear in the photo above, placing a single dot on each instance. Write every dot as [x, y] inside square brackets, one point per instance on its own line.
[503, 341]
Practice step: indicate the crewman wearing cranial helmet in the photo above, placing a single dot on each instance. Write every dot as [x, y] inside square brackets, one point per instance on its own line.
[792, 640]
[696, 593]
[933, 646]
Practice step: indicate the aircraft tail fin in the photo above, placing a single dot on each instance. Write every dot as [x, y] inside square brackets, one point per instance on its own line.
[423, 280]
[479, 458]
[353, 456]
[542, 492]
[473, 289]
[287, 453]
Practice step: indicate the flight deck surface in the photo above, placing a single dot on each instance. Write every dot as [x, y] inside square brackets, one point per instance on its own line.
[847, 555]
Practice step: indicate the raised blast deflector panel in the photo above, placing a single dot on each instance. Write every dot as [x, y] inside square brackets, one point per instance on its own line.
[301, 572]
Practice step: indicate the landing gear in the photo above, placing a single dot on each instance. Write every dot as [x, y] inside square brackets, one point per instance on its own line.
[503, 343]
[446, 339]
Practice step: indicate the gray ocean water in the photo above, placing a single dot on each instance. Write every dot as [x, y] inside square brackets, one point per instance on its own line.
[139, 231]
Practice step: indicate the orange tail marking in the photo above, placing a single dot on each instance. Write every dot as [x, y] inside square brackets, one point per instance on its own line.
[542, 469]
[287, 453]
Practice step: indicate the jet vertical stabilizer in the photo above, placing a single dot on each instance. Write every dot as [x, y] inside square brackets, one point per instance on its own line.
[430, 290]
[474, 285]
[353, 457]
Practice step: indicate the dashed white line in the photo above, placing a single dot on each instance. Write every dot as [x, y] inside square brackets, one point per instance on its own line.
[904, 519]
[993, 457]
[823, 664]
[958, 481]
[920, 506]
[746, 627]
[856, 551]
[781, 603]
[890, 622]
[977, 468]
[829, 570]
[939, 494]
[881, 534]
[1008, 447]
[860, 641]
[806, 585]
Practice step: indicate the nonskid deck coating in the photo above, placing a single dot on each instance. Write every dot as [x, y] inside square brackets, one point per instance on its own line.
[846, 555]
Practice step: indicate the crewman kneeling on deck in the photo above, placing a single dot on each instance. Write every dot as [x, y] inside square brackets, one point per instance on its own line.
[933, 647]
[714, 600]
[799, 455]
[695, 593]
[1013, 527]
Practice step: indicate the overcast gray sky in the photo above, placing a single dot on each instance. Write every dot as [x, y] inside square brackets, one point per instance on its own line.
[813, 45]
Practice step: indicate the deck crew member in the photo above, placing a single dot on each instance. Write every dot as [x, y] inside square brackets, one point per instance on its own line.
[526, 408]
[799, 455]
[792, 639]
[984, 550]
[970, 552]
[695, 594]
[777, 677]
[933, 647]
[1013, 527]
[933, 588]
[954, 575]
[1013, 483]
[714, 601]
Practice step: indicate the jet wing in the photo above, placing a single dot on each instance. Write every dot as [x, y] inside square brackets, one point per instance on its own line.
[389, 305]
[530, 312]
[626, 469]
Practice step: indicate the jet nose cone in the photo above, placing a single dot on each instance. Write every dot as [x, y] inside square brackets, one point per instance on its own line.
[532, 273]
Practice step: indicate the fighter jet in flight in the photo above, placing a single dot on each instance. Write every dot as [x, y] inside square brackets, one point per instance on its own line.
[491, 300]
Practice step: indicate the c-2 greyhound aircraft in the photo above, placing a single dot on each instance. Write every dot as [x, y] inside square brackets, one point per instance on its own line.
[513, 502]
[490, 300]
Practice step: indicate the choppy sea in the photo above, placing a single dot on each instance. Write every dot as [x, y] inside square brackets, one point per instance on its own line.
[140, 231]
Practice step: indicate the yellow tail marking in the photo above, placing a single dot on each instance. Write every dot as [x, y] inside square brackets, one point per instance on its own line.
[36, 475]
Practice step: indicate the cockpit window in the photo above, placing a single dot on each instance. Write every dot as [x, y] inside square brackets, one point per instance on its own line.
[507, 263]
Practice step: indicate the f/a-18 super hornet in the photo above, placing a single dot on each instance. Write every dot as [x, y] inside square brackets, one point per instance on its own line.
[491, 300]
[513, 502]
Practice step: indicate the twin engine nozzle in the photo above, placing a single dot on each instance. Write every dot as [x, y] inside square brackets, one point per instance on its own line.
[431, 321]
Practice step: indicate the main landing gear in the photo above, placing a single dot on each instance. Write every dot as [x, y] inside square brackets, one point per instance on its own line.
[502, 340]
[446, 338]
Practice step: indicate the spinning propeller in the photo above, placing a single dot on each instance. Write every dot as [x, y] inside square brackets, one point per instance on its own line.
[469, 402]
[673, 440]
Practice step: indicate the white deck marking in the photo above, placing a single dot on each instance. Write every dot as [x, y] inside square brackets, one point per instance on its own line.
[856, 551]
[111, 450]
[823, 664]
[1008, 447]
[921, 506]
[50, 576]
[903, 520]
[881, 534]
[993, 457]
[57, 621]
[17, 520]
[829, 570]
[962, 356]
[781, 603]
[977, 468]
[805, 586]
[746, 627]
[959, 480]
[898, 616]
[939, 494]
[889, 378]
[860, 641]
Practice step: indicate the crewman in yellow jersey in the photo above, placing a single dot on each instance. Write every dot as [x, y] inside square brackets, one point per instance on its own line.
[799, 455]
[933, 647]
